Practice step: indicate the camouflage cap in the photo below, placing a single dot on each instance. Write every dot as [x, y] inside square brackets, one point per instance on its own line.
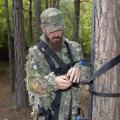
[52, 19]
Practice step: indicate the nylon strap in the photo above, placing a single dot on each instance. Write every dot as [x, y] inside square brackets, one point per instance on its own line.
[43, 47]
[103, 69]
[100, 94]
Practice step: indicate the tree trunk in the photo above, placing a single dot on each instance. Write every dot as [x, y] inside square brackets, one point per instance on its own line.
[56, 3]
[107, 45]
[30, 20]
[50, 3]
[37, 4]
[19, 48]
[10, 49]
[46, 4]
[76, 20]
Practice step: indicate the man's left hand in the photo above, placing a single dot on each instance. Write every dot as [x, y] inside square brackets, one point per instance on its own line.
[74, 74]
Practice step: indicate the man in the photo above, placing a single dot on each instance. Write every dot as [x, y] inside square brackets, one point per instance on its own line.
[53, 71]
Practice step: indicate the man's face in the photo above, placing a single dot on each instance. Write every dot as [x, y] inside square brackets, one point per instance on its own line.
[55, 39]
[55, 36]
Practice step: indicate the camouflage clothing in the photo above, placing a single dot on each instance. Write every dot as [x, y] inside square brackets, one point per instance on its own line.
[41, 81]
[52, 19]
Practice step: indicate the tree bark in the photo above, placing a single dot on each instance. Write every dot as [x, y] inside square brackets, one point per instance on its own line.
[19, 48]
[56, 3]
[107, 45]
[37, 4]
[10, 49]
[30, 20]
[76, 20]
[50, 3]
[46, 4]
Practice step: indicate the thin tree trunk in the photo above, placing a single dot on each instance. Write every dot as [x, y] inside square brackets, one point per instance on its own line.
[10, 49]
[50, 3]
[46, 4]
[37, 4]
[30, 20]
[19, 48]
[56, 3]
[76, 20]
[107, 45]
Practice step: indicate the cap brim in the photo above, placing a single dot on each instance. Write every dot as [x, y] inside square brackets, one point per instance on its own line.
[54, 27]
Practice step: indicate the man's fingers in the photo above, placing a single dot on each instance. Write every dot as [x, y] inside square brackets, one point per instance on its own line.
[69, 72]
[72, 75]
[63, 82]
[75, 78]
[75, 75]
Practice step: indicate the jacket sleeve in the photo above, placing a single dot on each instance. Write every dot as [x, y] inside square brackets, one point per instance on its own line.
[77, 56]
[39, 79]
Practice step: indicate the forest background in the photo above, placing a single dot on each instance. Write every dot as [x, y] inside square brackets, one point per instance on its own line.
[67, 7]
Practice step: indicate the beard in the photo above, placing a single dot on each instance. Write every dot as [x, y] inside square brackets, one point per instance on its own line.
[55, 43]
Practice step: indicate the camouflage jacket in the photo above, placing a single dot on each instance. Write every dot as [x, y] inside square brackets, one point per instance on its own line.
[40, 81]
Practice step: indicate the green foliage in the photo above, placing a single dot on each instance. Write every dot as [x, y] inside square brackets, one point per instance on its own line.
[1, 34]
[86, 26]
[67, 6]
[67, 9]
[2, 23]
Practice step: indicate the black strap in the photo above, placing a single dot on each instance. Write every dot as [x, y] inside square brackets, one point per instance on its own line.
[48, 54]
[69, 54]
[42, 47]
[50, 63]
[70, 107]
[55, 106]
[43, 112]
[55, 57]
[99, 72]
[100, 94]
[103, 69]
[71, 99]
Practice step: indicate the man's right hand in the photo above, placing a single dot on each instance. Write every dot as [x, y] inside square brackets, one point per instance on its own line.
[63, 82]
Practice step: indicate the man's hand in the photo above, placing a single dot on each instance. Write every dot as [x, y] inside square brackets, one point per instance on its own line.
[63, 82]
[74, 74]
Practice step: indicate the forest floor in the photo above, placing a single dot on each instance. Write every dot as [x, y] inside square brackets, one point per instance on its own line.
[8, 109]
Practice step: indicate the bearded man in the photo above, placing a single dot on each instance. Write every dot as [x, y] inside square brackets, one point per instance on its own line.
[53, 71]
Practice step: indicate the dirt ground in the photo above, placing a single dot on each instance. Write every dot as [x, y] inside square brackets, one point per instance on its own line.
[8, 109]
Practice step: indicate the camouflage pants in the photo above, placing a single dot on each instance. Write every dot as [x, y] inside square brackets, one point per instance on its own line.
[61, 117]
[43, 118]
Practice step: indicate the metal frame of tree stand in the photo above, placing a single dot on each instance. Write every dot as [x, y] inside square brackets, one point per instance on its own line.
[114, 61]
